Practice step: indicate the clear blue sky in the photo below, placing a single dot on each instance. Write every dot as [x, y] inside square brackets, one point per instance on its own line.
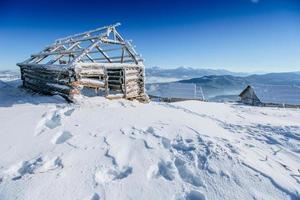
[239, 35]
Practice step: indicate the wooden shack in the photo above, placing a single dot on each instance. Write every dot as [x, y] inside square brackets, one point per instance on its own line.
[99, 59]
[271, 95]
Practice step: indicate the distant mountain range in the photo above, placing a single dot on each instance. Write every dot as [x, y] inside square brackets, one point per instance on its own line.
[222, 87]
[215, 86]
[290, 78]
[181, 73]
[187, 72]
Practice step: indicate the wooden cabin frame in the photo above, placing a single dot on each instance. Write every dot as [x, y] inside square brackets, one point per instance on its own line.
[100, 59]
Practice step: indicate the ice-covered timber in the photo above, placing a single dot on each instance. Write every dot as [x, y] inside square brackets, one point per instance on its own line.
[99, 59]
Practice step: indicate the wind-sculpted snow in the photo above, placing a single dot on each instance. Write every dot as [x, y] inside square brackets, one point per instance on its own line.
[117, 149]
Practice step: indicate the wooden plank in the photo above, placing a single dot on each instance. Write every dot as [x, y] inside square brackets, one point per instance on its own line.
[109, 65]
[44, 88]
[50, 80]
[72, 52]
[92, 83]
[114, 81]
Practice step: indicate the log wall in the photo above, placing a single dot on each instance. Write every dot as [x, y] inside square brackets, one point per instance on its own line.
[124, 81]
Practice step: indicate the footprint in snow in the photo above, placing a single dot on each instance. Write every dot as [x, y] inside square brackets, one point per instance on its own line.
[51, 164]
[186, 174]
[105, 174]
[152, 131]
[22, 168]
[147, 145]
[195, 195]
[50, 120]
[36, 165]
[182, 146]
[94, 196]
[53, 119]
[185, 152]
[69, 112]
[166, 143]
[61, 137]
[233, 149]
[162, 169]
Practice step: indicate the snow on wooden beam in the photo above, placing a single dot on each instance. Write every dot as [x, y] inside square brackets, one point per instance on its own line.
[105, 40]
[83, 39]
[87, 32]
[102, 37]
[60, 56]
[107, 65]
[40, 58]
[45, 53]
[114, 59]
[44, 66]
[85, 52]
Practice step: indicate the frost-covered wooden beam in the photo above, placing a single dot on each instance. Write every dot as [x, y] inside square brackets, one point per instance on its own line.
[87, 32]
[40, 58]
[60, 56]
[101, 51]
[128, 48]
[89, 48]
[82, 39]
[44, 67]
[106, 65]
[72, 52]
[112, 57]
[33, 57]
[102, 36]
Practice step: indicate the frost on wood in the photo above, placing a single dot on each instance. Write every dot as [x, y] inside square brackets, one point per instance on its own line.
[100, 59]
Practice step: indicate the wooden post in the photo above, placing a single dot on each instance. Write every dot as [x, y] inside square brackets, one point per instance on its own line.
[125, 82]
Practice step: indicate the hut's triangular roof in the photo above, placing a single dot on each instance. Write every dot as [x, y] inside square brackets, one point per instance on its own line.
[101, 45]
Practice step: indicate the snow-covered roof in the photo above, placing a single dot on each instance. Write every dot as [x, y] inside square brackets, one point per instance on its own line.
[101, 45]
[280, 94]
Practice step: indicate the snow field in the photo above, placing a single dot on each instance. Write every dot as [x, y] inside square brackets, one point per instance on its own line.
[118, 149]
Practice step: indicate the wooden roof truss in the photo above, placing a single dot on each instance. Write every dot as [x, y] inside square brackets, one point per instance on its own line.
[101, 45]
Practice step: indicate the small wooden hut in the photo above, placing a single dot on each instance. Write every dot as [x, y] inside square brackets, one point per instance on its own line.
[99, 59]
[271, 95]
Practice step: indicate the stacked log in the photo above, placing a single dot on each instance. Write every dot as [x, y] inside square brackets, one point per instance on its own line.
[92, 83]
[91, 76]
[48, 80]
[123, 81]
[134, 82]
[90, 71]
